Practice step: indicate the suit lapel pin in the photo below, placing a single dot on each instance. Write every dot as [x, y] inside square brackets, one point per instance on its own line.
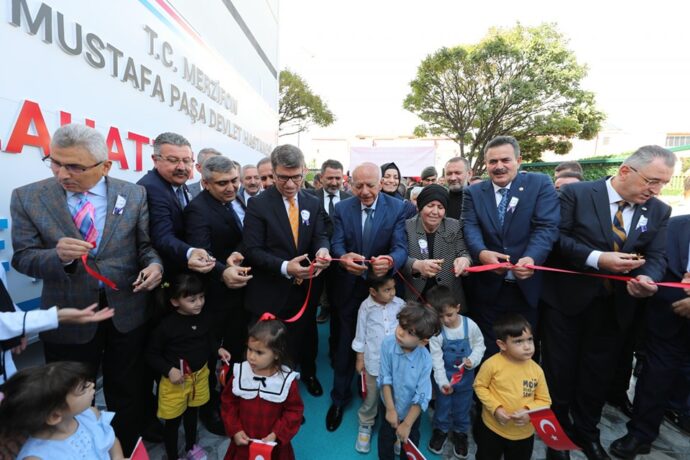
[119, 205]
[305, 216]
[513, 203]
[520, 189]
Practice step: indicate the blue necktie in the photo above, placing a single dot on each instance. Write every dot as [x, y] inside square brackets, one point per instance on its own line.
[180, 197]
[502, 205]
[229, 207]
[366, 231]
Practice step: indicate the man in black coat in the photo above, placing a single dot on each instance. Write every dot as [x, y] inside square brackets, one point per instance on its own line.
[610, 226]
[667, 346]
[167, 195]
[330, 194]
[212, 224]
[285, 230]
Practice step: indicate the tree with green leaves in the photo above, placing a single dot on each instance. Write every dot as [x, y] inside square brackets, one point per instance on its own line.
[522, 82]
[299, 106]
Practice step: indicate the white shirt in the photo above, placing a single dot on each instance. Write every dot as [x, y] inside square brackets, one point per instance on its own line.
[628, 212]
[247, 196]
[327, 200]
[239, 210]
[364, 214]
[374, 323]
[436, 348]
[13, 323]
[497, 194]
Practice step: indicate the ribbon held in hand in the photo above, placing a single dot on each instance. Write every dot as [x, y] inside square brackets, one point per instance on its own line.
[508, 265]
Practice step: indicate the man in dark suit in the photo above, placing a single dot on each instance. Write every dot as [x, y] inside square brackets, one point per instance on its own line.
[167, 196]
[511, 217]
[203, 154]
[667, 346]
[212, 224]
[251, 184]
[47, 245]
[265, 170]
[330, 194]
[368, 226]
[456, 172]
[285, 229]
[610, 226]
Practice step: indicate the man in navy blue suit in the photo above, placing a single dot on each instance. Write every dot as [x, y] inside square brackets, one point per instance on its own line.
[667, 346]
[512, 217]
[369, 226]
[167, 197]
[285, 229]
[610, 226]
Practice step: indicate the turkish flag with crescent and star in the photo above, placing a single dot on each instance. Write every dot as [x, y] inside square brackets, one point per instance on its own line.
[412, 451]
[550, 431]
[259, 450]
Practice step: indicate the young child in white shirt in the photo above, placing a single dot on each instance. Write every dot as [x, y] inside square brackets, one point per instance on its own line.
[460, 345]
[377, 318]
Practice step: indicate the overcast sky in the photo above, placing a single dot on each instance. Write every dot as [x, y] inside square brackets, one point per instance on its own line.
[360, 55]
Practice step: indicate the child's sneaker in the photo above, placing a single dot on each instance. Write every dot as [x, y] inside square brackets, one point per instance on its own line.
[396, 448]
[459, 441]
[438, 439]
[196, 453]
[363, 444]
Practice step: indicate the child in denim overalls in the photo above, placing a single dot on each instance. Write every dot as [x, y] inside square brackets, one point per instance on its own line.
[460, 346]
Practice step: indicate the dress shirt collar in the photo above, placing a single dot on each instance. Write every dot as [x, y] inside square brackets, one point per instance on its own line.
[100, 189]
[614, 197]
[373, 206]
[497, 187]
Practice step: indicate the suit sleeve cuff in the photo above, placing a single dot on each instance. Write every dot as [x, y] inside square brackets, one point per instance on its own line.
[283, 269]
[593, 259]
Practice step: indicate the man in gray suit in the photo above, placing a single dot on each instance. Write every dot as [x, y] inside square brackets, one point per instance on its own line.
[195, 187]
[113, 234]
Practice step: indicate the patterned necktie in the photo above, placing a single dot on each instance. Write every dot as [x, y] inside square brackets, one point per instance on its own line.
[502, 205]
[618, 227]
[293, 216]
[180, 196]
[331, 206]
[366, 231]
[84, 217]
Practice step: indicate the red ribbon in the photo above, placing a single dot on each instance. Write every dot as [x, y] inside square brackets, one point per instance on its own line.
[97, 275]
[489, 267]
[269, 316]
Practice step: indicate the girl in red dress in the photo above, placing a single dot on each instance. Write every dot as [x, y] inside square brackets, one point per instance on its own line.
[261, 401]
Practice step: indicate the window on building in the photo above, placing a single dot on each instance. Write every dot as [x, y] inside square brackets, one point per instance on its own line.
[676, 140]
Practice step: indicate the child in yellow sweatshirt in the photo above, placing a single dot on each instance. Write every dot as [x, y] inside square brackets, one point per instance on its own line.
[508, 385]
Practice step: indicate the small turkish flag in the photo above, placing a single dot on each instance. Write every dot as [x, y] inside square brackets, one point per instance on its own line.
[412, 451]
[259, 450]
[550, 431]
[363, 385]
[457, 377]
[223, 374]
[139, 452]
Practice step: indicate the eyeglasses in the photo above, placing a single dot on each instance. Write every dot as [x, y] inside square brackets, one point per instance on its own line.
[176, 161]
[650, 182]
[265, 178]
[71, 168]
[297, 178]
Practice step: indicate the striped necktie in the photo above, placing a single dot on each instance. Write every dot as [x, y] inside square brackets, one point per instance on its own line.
[293, 216]
[618, 226]
[84, 217]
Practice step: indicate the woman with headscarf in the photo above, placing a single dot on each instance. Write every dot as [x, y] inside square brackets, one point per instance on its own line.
[437, 253]
[390, 181]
